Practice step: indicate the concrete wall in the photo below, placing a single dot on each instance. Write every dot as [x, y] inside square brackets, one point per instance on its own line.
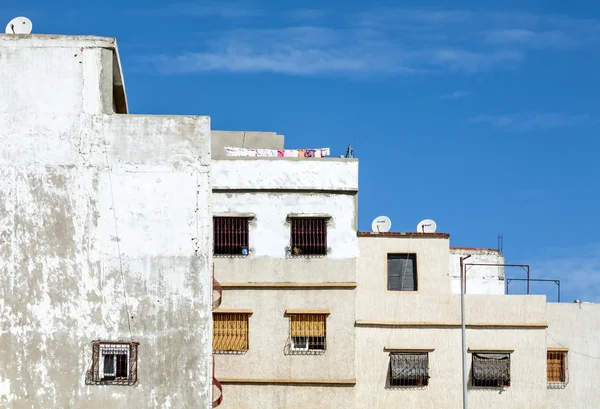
[269, 191]
[480, 279]
[429, 319]
[105, 235]
[57, 74]
[242, 139]
[576, 327]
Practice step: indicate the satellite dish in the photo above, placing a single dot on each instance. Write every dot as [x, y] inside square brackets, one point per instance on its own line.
[19, 25]
[381, 224]
[426, 226]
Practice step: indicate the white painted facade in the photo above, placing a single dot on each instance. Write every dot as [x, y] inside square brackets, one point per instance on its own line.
[481, 279]
[106, 233]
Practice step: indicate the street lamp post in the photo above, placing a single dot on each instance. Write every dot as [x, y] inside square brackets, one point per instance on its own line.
[463, 285]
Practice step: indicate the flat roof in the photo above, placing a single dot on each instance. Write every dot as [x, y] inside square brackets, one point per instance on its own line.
[405, 235]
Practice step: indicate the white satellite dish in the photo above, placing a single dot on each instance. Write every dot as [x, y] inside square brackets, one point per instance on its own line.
[19, 25]
[426, 226]
[381, 224]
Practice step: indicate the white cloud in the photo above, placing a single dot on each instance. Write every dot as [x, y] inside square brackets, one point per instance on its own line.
[578, 269]
[529, 121]
[455, 95]
[390, 41]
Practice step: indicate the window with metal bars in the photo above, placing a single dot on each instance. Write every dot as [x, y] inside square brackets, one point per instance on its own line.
[409, 369]
[230, 236]
[491, 370]
[307, 333]
[113, 363]
[308, 236]
[230, 332]
[556, 367]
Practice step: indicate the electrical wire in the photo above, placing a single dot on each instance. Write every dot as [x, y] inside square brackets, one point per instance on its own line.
[571, 351]
[112, 197]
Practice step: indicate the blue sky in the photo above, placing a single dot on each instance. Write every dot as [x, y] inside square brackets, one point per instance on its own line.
[484, 118]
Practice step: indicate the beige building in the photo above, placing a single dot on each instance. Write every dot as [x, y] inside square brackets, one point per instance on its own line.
[373, 320]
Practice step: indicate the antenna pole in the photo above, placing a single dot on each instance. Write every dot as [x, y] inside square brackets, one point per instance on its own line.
[463, 331]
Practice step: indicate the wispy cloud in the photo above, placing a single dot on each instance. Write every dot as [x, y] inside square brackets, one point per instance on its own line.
[577, 268]
[383, 41]
[530, 121]
[207, 9]
[455, 95]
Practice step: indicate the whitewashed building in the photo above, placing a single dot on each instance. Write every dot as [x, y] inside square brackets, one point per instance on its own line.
[105, 236]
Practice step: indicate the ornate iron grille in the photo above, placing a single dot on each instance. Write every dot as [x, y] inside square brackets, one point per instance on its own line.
[491, 370]
[409, 369]
[113, 363]
[557, 367]
[308, 333]
[230, 332]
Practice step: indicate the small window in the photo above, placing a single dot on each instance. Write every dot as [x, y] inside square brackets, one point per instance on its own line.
[113, 363]
[409, 369]
[491, 370]
[307, 333]
[309, 237]
[230, 332]
[557, 367]
[230, 236]
[402, 272]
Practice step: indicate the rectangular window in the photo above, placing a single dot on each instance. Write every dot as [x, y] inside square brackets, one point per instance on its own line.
[230, 236]
[409, 369]
[230, 332]
[557, 366]
[308, 333]
[113, 363]
[491, 370]
[309, 237]
[402, 272]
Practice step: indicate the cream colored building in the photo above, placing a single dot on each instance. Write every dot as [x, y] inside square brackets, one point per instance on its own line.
[391, 308]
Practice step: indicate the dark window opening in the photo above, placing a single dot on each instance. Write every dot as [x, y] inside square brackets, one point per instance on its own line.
[491, 370]
[402, 272]
[409, 369]
[230, 236]
[309, 237]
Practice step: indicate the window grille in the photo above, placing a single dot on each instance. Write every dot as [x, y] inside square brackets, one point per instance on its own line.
[409, 369]
[308, 333]
[556, 367]
[402, 272]
[230, 236]
[309, 237]
[491, 370]
[230, 332]
[113, 363]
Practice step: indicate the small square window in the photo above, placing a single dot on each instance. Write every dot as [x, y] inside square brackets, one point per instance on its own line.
[230, 332]
[113, 363]
[308, 237]
[230, 236]
[402, 272]
[556, 367]
[491, 370]
[307, 333]
[409, 369]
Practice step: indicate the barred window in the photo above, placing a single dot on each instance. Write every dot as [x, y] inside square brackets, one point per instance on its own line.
[230, 332]
[113, 363]
[491, 369]
[308, 236]
[230, 236]
[556, 366]
[409, 369]
[308, 333]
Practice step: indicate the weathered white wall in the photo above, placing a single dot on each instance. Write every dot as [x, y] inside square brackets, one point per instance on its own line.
[105, 225]
[56, 74]
[309, 174]
[480, 279]
[576, 326]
